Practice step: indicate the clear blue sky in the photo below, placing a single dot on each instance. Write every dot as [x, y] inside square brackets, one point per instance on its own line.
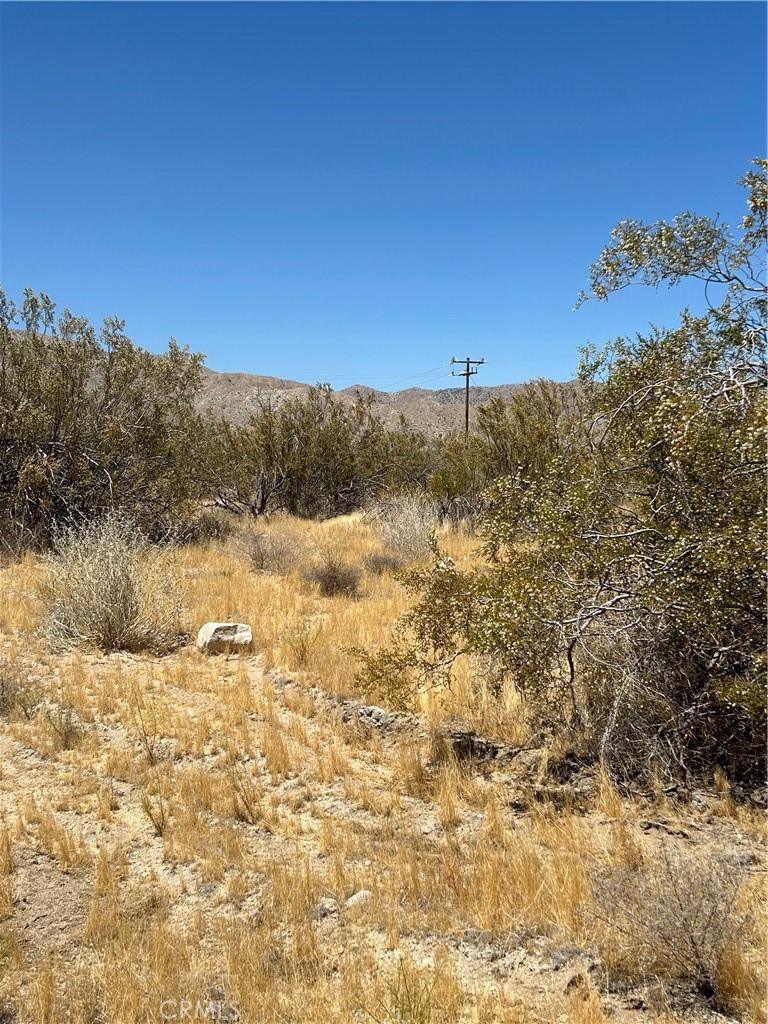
[355, 192]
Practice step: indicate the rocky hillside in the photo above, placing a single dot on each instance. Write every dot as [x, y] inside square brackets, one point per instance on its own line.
[237, 396]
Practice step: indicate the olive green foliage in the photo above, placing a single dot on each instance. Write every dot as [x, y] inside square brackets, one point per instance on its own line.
[460, 477]
[692, 246]
[315, 456]
[542, 422]
[89, 422]
[623, 584]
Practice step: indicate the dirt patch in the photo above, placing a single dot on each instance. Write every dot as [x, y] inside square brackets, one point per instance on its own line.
[50, 906]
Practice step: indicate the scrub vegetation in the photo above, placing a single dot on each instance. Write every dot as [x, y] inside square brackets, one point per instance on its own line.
[498, 753]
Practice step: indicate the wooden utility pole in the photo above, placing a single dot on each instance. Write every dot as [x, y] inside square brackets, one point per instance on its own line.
[467, 373]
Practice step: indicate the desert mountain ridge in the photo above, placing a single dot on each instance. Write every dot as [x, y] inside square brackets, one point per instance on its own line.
[237, 396]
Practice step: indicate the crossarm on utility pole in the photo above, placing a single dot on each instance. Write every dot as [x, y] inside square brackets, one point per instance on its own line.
[466, 373]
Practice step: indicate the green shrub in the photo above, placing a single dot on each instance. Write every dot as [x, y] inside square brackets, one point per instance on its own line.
[90, 422]
[623, 591]
[301, 637]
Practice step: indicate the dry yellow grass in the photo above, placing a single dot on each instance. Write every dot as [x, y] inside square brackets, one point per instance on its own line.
[211, 839]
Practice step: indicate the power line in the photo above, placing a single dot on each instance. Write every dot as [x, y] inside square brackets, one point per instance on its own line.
[386, 388]
[467, 373]
[421, 383]
[362, 375]
[433, 376]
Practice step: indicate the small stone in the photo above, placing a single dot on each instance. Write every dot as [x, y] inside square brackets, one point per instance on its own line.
[325, 908]
[225, 638]
[359, 898]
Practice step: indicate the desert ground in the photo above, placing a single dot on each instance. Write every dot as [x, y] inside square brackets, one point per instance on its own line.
[257, 837]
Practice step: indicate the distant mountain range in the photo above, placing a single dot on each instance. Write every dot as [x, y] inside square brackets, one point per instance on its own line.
[237, 396]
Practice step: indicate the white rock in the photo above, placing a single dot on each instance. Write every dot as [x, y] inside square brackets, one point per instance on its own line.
[225, 638]
[358, 898]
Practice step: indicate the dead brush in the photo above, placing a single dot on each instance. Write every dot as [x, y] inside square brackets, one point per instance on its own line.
[678, 917]
[17, 691]
[145, 717]
[210, 524]
[10, 959]
[276, 553]
[277, 756]
[108, 587]
[334, 576]
[406, 524]
[59, 842]
[155, 806]
[442, 848]
[584, 1005]
[10, 682]
[67, 728]
[162, 786]
[247, 795]
[108, 800]
[383, 563]
[411, 775]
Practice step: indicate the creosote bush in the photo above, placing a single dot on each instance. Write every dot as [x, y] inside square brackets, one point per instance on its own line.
[109, 588]
[90, 422]
[622, 585]
[316, 456]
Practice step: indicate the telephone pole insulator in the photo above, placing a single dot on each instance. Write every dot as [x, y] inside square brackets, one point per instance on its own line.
[467, 372]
